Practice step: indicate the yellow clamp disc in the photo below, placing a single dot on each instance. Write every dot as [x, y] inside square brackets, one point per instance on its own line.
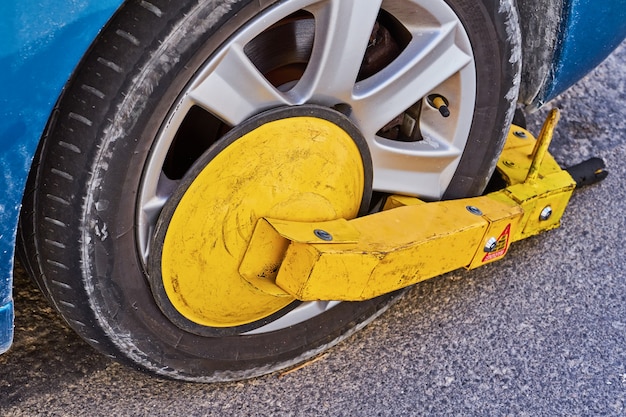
[290, 164]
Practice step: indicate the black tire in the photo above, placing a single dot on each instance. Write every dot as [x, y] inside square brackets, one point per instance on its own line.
[77, 229]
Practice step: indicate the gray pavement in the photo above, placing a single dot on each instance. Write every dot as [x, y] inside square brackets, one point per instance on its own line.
[541, 333]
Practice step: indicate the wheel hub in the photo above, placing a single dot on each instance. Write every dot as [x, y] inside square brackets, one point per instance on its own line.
[305, 163]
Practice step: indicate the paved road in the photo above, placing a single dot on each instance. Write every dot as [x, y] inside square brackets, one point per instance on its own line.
[543, 332]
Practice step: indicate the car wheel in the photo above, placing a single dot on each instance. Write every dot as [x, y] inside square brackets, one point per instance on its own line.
[164, 108]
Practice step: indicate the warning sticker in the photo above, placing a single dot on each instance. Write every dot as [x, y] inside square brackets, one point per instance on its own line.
[501, 245]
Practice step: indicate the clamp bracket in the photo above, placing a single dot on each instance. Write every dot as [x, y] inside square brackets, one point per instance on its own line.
[411, 240]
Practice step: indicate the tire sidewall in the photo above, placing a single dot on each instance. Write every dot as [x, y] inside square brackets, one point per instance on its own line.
[497, 89]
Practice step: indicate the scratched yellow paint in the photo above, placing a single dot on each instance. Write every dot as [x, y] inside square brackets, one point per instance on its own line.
[411, 240]
[396, 248]
[300, 168]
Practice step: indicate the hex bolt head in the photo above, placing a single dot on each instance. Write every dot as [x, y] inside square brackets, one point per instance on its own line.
[474, 210]
[545, 214]
[323, 234]
[491, 244]
[520, 134]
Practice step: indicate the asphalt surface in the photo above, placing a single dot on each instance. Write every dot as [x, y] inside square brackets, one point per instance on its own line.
[541, 333]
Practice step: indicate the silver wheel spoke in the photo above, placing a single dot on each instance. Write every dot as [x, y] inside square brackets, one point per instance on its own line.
[151, 208]
[234, 89]
[343, 29]
[404, 168]
[428, 61]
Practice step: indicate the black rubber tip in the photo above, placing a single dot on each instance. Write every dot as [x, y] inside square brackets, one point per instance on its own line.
[588, 172]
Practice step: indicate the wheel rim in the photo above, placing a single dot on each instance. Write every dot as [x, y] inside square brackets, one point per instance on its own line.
[325, 63]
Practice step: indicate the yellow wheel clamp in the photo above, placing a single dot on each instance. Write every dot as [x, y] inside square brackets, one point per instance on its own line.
[412, 240]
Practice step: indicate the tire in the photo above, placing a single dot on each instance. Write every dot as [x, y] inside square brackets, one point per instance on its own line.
[118, 139]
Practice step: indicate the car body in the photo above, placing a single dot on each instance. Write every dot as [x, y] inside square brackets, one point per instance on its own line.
[42, 43]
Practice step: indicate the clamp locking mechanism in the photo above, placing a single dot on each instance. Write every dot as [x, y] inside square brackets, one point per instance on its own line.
[411, 240]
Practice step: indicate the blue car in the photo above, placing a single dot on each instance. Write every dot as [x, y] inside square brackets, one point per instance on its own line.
[111, 110]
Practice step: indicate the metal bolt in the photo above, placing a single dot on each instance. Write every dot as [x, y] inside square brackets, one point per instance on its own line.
[509, 164]
[323, 234]
[474, 210]
[520, 134]
[546, 213]
[491, 244]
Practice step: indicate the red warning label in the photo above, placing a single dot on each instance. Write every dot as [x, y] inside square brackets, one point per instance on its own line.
[501, 245]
